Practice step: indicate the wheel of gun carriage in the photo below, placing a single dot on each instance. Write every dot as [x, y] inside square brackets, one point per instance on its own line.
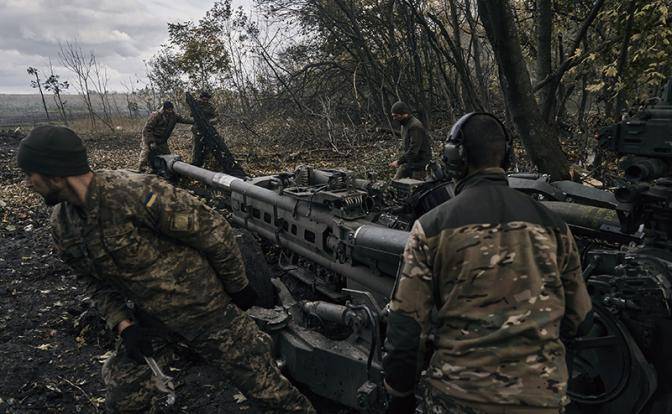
[605, 374]
[257, 269]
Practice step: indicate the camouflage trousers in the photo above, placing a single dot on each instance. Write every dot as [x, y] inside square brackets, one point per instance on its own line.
[238, 348]
[436, 402]
[146, 154]
[403, 171]
[198, 150]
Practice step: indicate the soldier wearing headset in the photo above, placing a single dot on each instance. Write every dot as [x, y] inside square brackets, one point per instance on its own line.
[501, 275]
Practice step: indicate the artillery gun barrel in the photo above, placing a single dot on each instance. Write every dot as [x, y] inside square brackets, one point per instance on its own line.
[238, 185]
[365, 253]
[643, 168]
[589, 217]
[371, 274]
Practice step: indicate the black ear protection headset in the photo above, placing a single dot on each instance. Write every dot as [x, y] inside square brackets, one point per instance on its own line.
[454, 155]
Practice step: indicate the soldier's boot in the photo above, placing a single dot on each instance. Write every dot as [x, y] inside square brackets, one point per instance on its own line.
[402, 172]
[129, 386]
[243, 352]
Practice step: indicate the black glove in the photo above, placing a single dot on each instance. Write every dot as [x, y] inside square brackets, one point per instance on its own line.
[246, 298]
[401, 405]
[137, 344]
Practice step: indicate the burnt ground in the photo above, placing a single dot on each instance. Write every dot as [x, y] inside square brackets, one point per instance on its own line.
[51, 344]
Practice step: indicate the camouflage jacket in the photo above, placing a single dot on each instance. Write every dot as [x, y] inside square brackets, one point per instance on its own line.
[417, 145]
[209, 112]
[139, 239]
[160, 125]
[502, 275]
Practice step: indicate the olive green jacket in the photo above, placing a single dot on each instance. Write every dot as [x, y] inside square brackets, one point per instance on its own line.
[160, 125]
[139, 239]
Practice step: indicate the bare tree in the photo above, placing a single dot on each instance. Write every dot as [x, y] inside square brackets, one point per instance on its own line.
[75, 60]
[36, 84]
[100, 79]
[55, 86]
[131, 105]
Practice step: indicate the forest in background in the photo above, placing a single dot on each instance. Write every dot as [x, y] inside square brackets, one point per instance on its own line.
[324, 72]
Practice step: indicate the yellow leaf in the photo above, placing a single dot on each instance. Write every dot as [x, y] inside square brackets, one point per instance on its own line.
[44, 347]
[239, 398]
[610, 71]
[595, 87]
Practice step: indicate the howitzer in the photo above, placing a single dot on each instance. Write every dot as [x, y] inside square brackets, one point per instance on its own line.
[344, 237]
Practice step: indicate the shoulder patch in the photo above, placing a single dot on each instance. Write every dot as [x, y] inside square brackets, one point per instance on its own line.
[150, 199]
[182, 222]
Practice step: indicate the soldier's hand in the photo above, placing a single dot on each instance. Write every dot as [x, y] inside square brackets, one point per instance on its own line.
[394, 164]
[136, 343]
[246, 298]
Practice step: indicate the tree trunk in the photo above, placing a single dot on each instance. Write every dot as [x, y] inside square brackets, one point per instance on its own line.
[61, 107]
[542, 144]
[544, 29]
[476, 46]
[419, 90]
[621, 66]
[584, 101]
[39, 88]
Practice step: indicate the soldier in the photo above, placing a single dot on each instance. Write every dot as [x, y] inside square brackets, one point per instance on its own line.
[417, 145]
[161, 267]
[210, 113]
[503, 274]
[156, 132]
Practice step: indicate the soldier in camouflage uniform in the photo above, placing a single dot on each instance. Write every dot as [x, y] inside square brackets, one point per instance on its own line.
[417, 144]
[156, 132]
[161, 267]
[502, 275]
[210, 113]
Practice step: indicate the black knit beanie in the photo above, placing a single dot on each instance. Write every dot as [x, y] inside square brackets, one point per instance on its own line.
[400, 107]
[54, 151]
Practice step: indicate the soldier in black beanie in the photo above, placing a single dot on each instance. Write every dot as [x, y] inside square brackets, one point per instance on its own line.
[55, 161]
[129, 238]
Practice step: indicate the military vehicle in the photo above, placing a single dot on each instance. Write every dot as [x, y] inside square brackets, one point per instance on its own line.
[342, 238]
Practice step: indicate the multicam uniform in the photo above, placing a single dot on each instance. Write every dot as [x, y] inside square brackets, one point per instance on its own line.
[157, 130]
[198, 152]
[504, 276]
[417, 147]
[140, 240]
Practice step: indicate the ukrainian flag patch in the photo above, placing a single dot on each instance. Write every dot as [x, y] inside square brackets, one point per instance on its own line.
[150, 200]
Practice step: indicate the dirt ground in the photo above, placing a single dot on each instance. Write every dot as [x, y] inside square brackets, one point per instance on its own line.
[51, 344]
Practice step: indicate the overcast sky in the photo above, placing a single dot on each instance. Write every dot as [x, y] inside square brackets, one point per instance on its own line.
[121, 33]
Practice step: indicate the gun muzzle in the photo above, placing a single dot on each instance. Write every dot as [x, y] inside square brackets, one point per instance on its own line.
[644, 169]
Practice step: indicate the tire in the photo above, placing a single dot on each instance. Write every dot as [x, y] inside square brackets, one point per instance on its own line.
[258, 272]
